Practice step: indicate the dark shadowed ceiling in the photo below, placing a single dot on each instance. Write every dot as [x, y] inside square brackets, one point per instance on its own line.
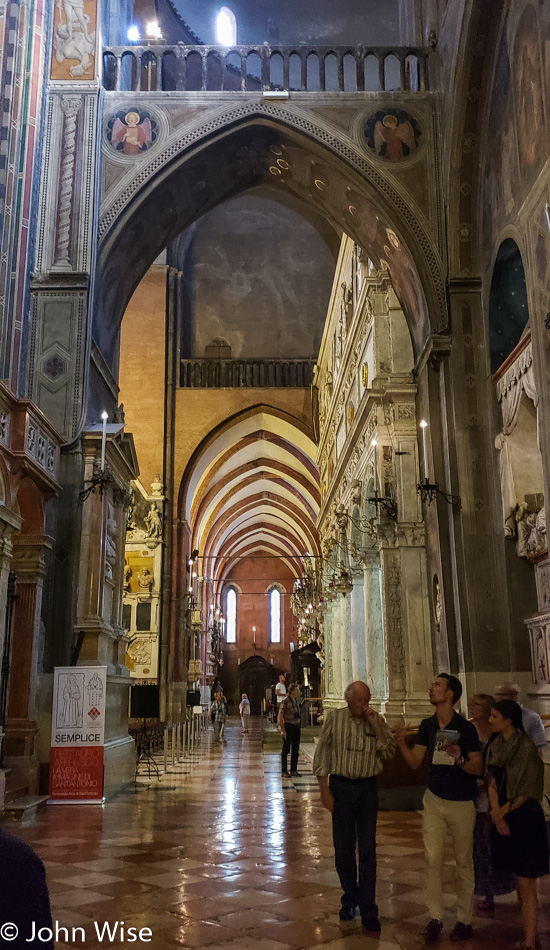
[321, 22]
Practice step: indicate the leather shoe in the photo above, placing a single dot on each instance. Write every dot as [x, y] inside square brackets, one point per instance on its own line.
[460, 932]
[433, 930]
[347, 913]
[372, 924]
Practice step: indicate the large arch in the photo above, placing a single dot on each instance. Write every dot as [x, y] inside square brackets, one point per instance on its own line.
[248, 147]
[252, 488]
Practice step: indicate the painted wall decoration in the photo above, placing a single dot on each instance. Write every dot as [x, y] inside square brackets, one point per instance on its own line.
[392, 134]
[74, 40]
[131, 131]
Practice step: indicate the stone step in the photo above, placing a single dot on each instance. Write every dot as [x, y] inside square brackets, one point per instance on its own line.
[25, 807]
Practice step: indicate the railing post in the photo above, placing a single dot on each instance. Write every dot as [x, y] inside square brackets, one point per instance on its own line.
[322, 73]
[286, 69]
[382, 71]
[340, 67]
[360, 70]
[402, 72]
[166, 748]
[265, 58]
[204, 73]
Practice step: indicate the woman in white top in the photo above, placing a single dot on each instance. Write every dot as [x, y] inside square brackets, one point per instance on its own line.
[244, 712]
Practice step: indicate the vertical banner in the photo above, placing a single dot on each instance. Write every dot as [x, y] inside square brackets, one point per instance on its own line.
[78, 734]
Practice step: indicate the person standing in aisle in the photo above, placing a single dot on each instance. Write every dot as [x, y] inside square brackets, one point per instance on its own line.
[455, 755]
[289, 722]
[354, 744]
[244, 712]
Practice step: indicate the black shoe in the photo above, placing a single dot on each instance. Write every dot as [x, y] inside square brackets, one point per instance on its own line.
[285, 774]
[347, 913]
[433, 930]
[294, 773]
[372, 924]
[460, 932]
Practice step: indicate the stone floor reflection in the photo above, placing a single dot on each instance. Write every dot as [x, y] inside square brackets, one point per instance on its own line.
[220, 854]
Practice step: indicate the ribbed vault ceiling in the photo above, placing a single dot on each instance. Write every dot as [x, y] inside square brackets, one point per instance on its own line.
[253, 490]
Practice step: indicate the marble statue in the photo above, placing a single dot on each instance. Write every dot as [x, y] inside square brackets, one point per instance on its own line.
[153, 520]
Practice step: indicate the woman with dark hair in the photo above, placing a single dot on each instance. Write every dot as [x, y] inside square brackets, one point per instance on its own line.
[491, 879]
[516, 781]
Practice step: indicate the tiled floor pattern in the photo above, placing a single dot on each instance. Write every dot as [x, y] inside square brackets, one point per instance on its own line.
[223, 854]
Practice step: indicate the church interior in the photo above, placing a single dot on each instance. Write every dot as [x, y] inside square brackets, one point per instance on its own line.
[274, 368]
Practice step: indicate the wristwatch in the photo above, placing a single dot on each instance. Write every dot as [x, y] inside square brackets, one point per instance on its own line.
[461, 760]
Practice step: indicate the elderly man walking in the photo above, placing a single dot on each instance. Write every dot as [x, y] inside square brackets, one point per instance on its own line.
[354, 744]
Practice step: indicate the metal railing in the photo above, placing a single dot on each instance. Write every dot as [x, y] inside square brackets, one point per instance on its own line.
[182, 68]
[252, 374]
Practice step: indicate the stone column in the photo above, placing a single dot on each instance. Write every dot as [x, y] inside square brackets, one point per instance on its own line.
[357, 629]
[345, 641]
[29, 564]
[374, 628]
[329, 670]
[336, 652]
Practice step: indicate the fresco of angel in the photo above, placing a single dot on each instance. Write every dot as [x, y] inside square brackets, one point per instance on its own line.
[394, 139]
[132, 133]
[393, 134]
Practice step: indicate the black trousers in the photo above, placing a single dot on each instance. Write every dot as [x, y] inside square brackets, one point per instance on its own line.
[291, 744]
[354, 833]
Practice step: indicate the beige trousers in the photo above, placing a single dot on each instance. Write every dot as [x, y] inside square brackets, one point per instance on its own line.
[457, 818]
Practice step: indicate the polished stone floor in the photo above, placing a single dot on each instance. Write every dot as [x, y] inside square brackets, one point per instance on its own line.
[222, 854]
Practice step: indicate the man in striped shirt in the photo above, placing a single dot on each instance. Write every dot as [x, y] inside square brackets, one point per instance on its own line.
[354, 744]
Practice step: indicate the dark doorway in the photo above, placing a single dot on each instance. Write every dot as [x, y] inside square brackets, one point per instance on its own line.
[256, 676]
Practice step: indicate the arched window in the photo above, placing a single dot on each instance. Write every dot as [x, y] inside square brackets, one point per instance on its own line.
[231, 616]
[275, 616]
[508, 311]
[226, 27]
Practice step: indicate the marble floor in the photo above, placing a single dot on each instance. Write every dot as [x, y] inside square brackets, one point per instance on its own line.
[224, 854]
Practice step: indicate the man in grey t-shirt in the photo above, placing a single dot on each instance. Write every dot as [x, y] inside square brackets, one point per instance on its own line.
[532, 723]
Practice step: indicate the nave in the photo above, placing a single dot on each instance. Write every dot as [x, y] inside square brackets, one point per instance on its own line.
[222, 854]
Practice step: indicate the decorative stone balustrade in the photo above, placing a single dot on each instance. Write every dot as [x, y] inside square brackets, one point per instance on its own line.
[236, 374]
[158, 68]
[30, 439]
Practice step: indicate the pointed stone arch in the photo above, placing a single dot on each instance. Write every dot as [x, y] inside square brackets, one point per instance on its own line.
[242, 148]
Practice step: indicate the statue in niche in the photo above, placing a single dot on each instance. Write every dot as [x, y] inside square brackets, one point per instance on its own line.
[438, 603]
[118, 415]
[153, 520]
[130, 523]
[531, 531]
[145, 580]
[127, 576]
[537, 539]
[356, 491]
[541, 670]
[347, 303]
[110, 542]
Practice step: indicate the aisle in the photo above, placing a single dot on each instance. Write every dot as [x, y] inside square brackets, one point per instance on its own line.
[223, 855]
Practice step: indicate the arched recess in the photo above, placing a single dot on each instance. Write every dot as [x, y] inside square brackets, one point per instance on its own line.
[254, 146]
[508, 308]
[252, 489]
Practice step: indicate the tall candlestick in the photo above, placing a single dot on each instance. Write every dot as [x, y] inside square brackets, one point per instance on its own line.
[424, 426]
[254, 634]
[104, 416]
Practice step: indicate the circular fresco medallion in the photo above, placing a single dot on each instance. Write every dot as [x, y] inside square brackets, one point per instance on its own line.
[131, 131]
[392, 134]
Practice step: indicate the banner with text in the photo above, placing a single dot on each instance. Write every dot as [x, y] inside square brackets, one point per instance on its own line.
[78, 734]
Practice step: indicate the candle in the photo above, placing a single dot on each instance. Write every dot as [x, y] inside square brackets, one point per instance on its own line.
[424, 426]
[254, 633]
[104, 416]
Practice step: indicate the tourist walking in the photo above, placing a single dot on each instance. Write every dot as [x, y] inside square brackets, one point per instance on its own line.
[355, 742]
[455, 762]
[491, 880]
[516, 785]
[244, 712]
[217, 715]
[289, 722]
